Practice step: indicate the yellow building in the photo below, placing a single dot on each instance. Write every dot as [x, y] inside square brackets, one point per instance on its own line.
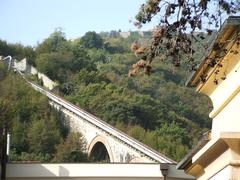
[217, 156]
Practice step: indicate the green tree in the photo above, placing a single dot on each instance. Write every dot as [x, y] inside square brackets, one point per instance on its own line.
[116, 45]
[6, 114]
[81, 59]
[89, 77]
[20, 141]
[27, 116]
[55, 65]
[17, 51]
[7, 97]
[43, 137]
[4, 48]
[73, 149]
[25, 156]
[98, 56]
[92, 40]
[138, 133]
[55, 43]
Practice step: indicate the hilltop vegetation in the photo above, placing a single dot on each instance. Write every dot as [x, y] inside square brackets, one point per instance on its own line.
[38, 131]
[158, 110]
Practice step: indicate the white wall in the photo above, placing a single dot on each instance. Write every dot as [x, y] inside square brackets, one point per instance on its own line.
[30, 70]
[47, 82]
[20, 65]
[90, 172]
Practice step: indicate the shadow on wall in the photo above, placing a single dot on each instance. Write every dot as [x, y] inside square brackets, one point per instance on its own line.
[63, 171]
[30, 170]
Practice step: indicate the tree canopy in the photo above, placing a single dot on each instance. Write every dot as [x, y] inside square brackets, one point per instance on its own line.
[92, 40]
[38, 130]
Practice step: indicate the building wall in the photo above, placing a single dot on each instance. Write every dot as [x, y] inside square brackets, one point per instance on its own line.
[219, 158]
[91, 172]
[47, 82]
[20, 65]
[226, 99]
[229, 171]
[221, 175]
[225, 96]
[218, 164]
[225, 127]
[228, 120]
[27, 69]
[125, 34]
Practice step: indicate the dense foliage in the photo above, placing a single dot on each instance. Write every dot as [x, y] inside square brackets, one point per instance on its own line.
[158, 110]
[37, 129]
[156, 107]
[17, 51]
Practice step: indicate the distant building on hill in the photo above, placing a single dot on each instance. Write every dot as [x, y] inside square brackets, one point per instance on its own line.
[140, 33]
[126, 34]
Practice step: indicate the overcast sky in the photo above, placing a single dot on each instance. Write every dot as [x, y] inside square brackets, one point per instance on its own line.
[30, 21]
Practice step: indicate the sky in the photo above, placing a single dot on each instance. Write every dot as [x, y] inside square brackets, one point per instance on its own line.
[31, 21]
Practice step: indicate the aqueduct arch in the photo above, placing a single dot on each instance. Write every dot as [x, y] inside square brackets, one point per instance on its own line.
[100, 150]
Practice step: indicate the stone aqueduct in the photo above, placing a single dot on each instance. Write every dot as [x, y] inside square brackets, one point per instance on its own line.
[104, 142]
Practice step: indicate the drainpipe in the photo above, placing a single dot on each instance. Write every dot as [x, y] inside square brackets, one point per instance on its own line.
[10, 61]
[164, 170]
[3, 155]
[8, 145]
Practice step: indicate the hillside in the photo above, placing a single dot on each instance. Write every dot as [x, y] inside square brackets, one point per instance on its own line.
[92, 72]
[38, 132]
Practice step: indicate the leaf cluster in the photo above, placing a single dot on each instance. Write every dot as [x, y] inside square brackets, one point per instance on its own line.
[178, 25]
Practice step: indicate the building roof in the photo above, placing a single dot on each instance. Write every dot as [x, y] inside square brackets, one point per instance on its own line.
[225, 32]
[187, 160]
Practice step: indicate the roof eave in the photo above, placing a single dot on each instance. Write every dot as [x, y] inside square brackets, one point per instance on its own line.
[187, 160]
[230, 22]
